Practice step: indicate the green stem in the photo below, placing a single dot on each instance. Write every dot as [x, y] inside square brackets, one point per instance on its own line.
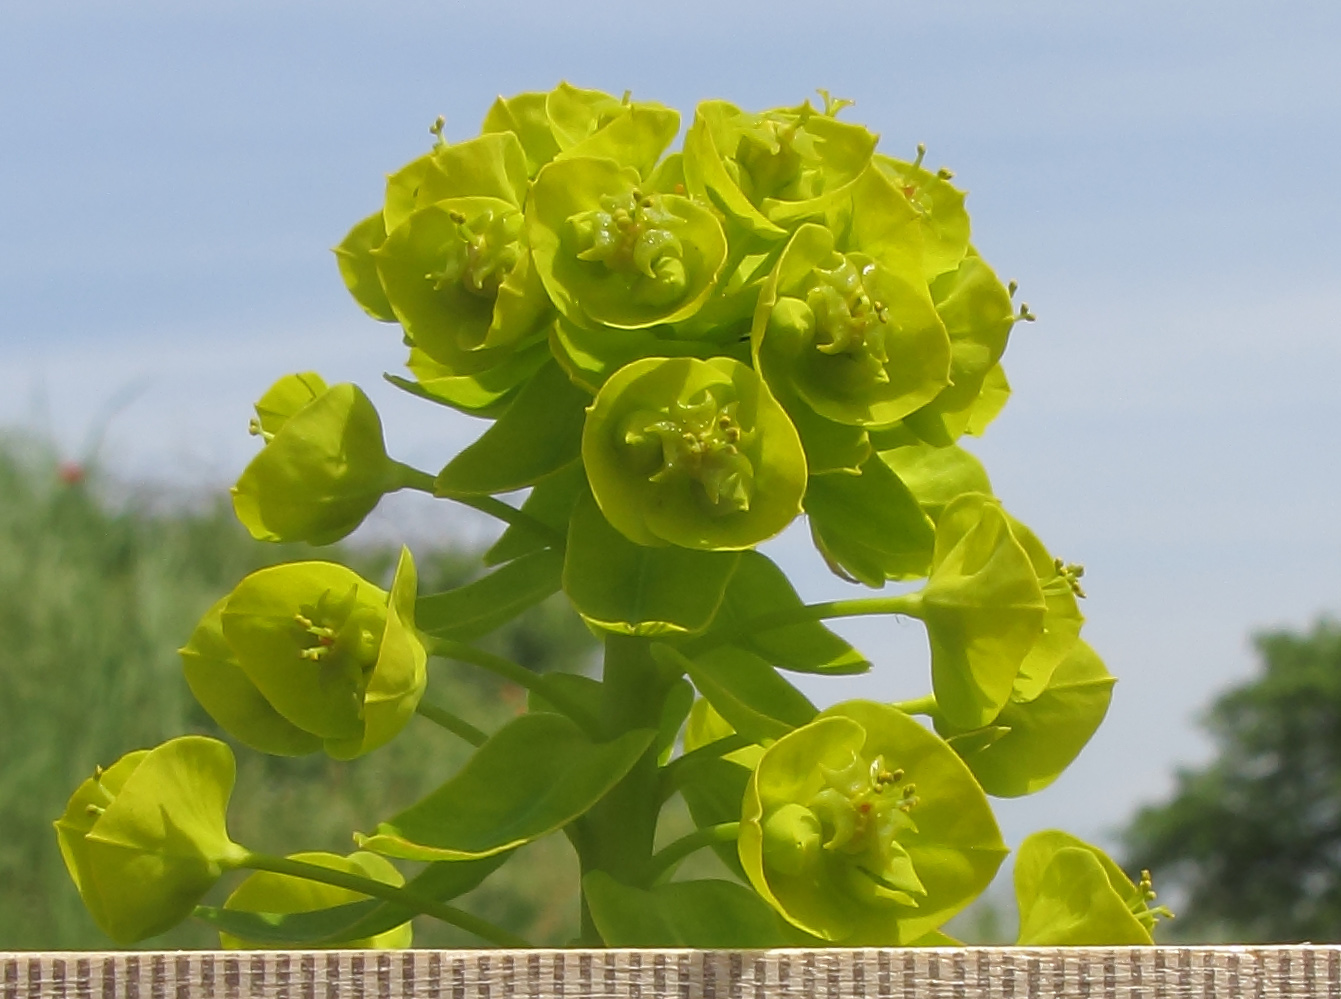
[514, 673]
[919, 706]
[413, 478]
[453, 723]
[902, 603]
[665, 860]
[408, 477]
[388, 893]
[670, 773]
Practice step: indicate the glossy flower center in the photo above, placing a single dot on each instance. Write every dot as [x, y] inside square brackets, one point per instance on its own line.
[488, 247]
[340, 633]
[848, 321]
[699, 440]
[631, 234]
[852, 826]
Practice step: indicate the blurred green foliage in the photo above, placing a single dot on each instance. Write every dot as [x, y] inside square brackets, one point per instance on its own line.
[1248, 847]
[99, 586]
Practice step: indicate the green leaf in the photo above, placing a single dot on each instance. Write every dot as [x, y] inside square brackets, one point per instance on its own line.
[591, 354]
[676, 709]
[759, 588]
[704, 914]
[534, 776]
[477, 608]
[937, 475]
[1071, 894]
[539, 433]
[484, 393]
[1042, 735]
[713, 788]
[352, 921]
[869, 526]
[627, 588]
[584, 691]
[492, 165]
[1061, 622]
[746, 691]
[270, 893]
[551, 503]
[354, 257]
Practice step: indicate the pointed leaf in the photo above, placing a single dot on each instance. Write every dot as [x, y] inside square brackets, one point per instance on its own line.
[746, 691]
[870, 524]
[534, 776]
[635, 590]
[478, 607]
[759, 588]
[539, 433]
[685, 914]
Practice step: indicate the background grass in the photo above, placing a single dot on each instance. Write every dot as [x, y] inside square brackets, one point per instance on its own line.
[99, 585]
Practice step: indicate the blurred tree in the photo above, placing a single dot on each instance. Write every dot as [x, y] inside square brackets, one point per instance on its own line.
[1250, 845]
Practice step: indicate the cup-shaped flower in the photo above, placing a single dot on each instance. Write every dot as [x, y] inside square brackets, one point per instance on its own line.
[569, 120]
[856, 337]
[612, 253]
[324, 465]
[983, 609]
[864, 828]
[458, 275]
[146, 838]
[769, 170]
[308, 655]
[1072, 894]
[943, 222]
[266, 891]
[693, 453]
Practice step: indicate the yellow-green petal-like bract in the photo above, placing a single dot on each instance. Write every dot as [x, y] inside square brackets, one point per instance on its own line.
[865, 829]
[320, 649]
[693, 453]
[323, 468]
[146, 838]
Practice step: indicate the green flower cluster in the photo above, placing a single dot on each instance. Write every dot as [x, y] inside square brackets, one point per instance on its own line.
[677, 354]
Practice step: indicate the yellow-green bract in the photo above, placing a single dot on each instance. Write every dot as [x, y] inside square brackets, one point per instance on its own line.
[146, 838]
[675, 354]
[307, 656]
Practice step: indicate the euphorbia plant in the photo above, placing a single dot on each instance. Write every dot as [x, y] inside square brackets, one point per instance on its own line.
[681, 353]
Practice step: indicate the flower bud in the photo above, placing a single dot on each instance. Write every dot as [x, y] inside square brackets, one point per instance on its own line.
[266, 891]
[324, 465]
[146, 838]
[306, 656]
[692, 453]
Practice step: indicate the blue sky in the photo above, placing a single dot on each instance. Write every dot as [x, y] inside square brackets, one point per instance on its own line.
[1161, 179]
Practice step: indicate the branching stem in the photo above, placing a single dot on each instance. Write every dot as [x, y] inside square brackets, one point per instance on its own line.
[514, 673]
[388, 893]
[665, 860]
[453, 723]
